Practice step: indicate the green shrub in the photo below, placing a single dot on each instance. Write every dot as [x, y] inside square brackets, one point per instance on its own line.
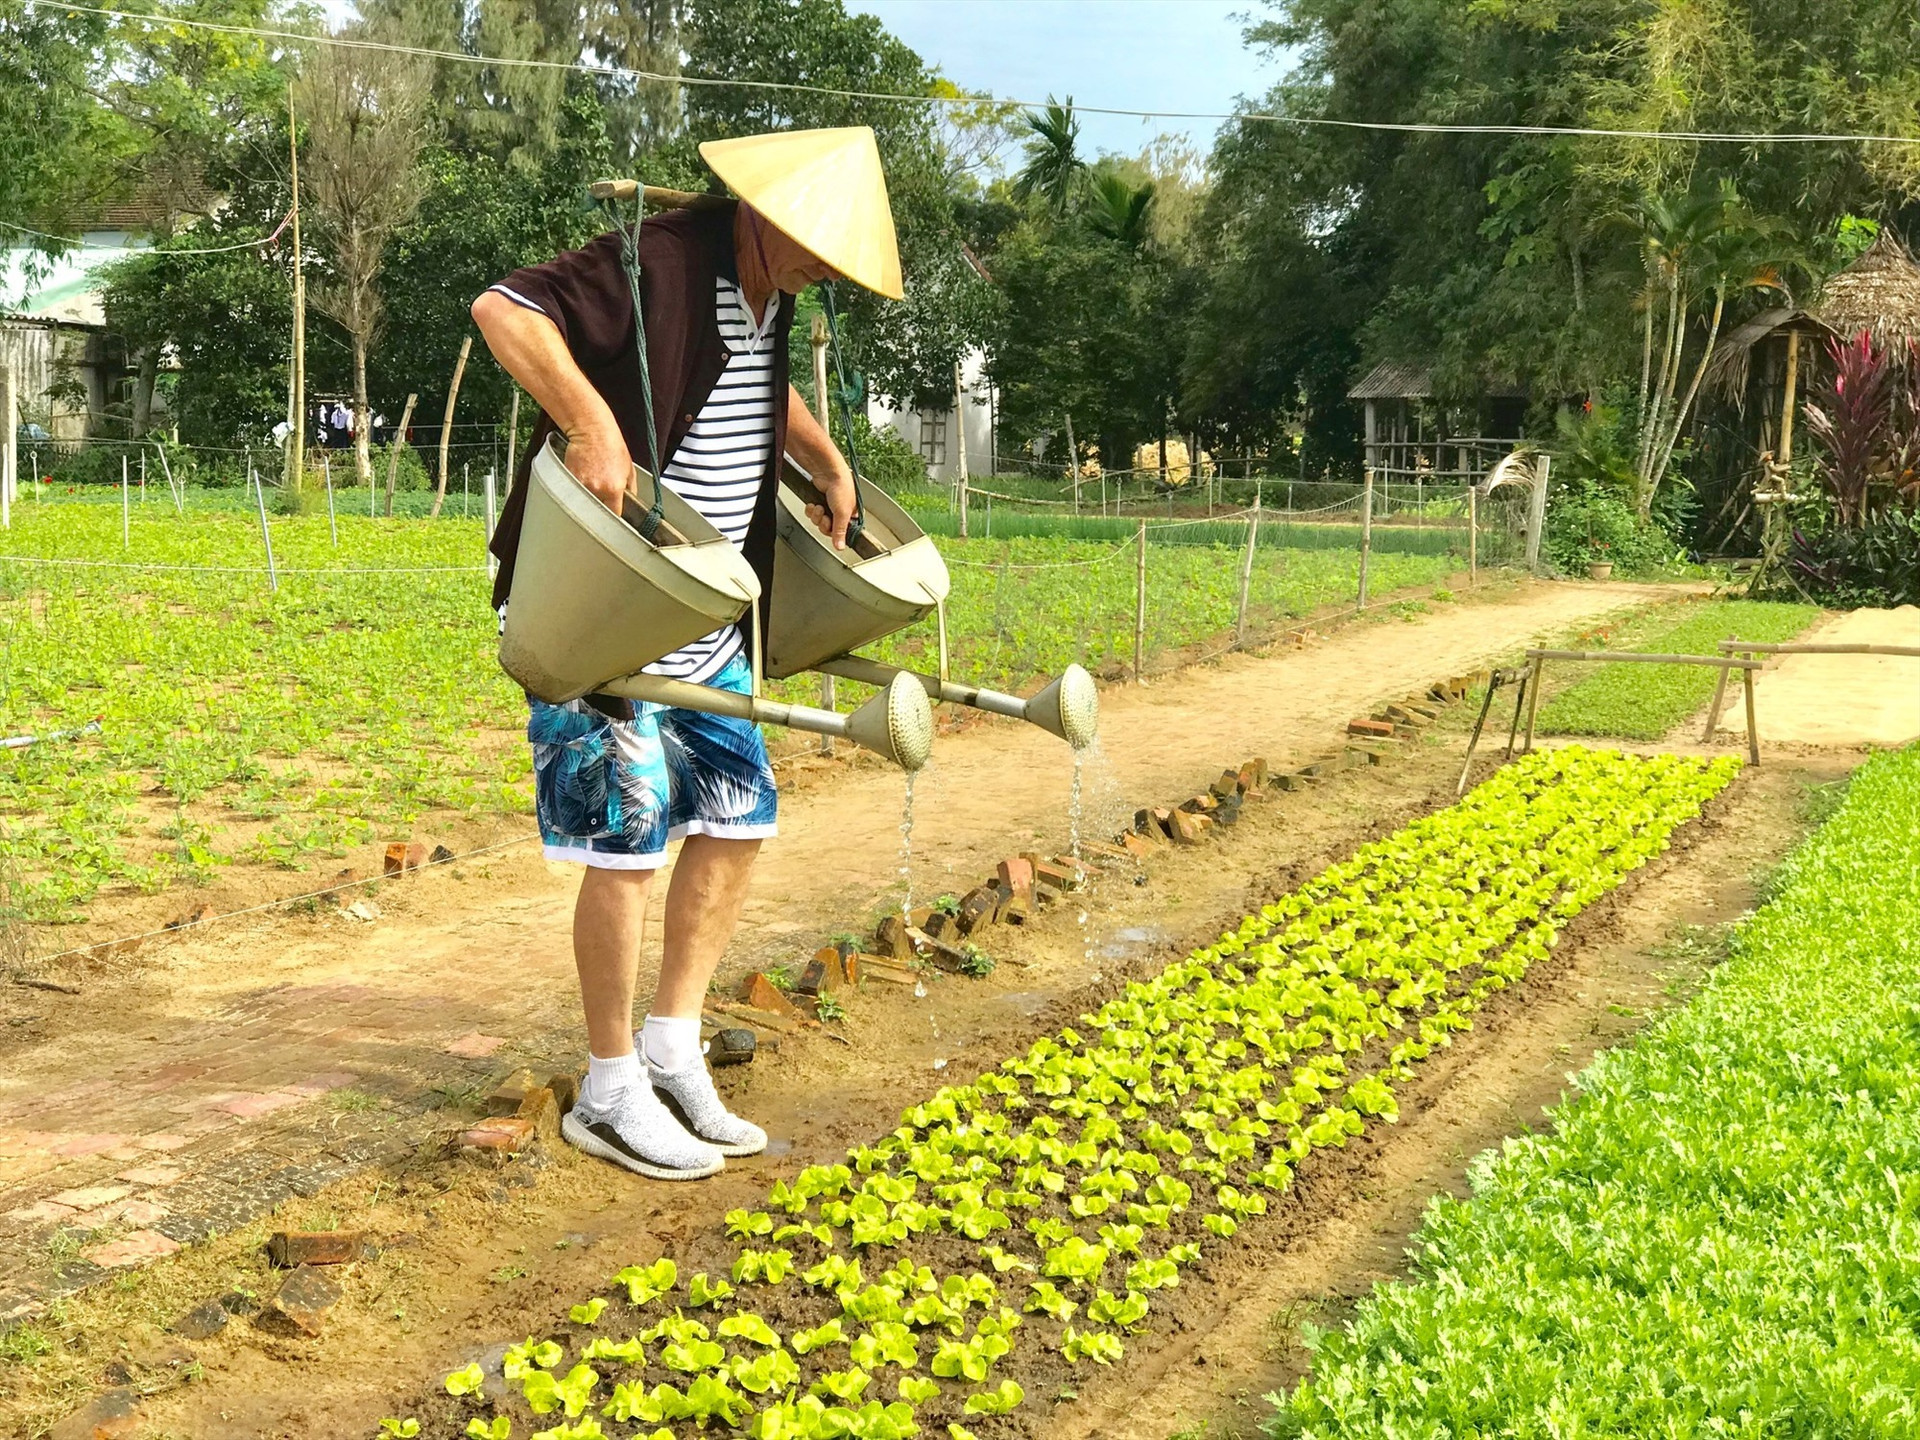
[1877, 564]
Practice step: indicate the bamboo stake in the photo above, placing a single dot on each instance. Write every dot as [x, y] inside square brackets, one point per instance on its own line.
[446, 424]
[9, 448]
[1753, 730]
[266, 536]
[1140, 606]
[124, 539]
[1073, 470]
[393, 452]
[297, 388]
[1719, 698]
[333, 524]
[1246, 576]
[1366, 535]
[1533, 699]
[1473, 536]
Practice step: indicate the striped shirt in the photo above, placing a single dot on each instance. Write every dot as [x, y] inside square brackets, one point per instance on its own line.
[723, 457]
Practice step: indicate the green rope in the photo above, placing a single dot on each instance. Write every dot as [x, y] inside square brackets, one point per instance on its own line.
[841, 393]
[649, 525]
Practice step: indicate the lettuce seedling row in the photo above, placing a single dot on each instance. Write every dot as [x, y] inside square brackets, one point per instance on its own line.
[1016, 1234]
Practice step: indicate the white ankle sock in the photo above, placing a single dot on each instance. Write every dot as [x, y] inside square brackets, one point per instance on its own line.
[671, 1043]
[609, 1080]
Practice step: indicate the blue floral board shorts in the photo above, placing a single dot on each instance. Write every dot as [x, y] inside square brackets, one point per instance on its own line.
[612, 793]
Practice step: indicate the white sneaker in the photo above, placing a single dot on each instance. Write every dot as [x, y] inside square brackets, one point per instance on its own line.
[640, 1135]
[689, 1097]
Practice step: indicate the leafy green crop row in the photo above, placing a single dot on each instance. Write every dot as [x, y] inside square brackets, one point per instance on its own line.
[1722, 1236]
[1644, 702]
[243, 725]
[1015, 1229]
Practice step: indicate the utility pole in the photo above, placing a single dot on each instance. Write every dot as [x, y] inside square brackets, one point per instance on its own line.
[297, 390]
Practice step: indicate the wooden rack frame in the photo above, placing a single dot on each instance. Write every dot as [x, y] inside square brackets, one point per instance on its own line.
[1536, 661]
[1749, 648]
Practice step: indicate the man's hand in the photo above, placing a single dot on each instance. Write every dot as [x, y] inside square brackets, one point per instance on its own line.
[598, 459]
[834, 517]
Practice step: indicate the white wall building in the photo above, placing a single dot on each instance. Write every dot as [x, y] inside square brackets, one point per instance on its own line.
[934, 434]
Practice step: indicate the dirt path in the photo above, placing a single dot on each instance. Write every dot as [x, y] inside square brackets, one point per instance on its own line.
[1838, 700]
[202, 1086]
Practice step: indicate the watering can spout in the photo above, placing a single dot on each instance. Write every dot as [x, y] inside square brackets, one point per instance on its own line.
[1068, 707]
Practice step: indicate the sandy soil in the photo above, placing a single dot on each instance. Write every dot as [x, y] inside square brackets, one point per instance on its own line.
[1838, 700]
[472, 1258]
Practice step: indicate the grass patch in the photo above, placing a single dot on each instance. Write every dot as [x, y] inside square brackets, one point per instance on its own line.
[1644, 702]
[1715, 1239]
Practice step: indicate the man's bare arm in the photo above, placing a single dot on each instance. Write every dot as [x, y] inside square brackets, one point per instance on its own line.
[529, 348]
[813, 449]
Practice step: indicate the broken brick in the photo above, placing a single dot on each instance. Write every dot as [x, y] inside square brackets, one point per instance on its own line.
[760, 993]
[825, 973]
[940, 925]
[505, 1097]
[290, 1248]
[395, 859]
[876, 967]
[1062, 875]
[202, 1322]
[1017, 873]
[131, 1249]
[566, 1089]
[1136, 845]
[734, 1045]
[542, 1111]
[890, 939]
[1370, 727]
[1292, 782]
[977, 908]
[440, 856]
[1201, 803]
[301, 1304]
[505, 1134]
[1228, 785]
[107, 1416]
[194, 916]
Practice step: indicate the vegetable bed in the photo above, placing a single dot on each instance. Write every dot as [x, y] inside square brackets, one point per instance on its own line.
[1719, 1238]
[1012, 1234]
[1644, 702]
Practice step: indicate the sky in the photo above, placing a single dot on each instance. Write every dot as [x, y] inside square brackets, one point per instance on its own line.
[1131, 54]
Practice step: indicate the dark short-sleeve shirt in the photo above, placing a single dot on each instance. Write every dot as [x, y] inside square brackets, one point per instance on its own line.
[585, 294]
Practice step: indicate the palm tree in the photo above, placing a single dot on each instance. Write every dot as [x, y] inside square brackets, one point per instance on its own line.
[1054, 167]
[1118, 210]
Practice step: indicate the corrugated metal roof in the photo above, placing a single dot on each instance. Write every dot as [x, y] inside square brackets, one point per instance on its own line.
[1410, 380]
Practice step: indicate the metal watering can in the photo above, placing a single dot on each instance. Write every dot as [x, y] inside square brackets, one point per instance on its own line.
[596, 597]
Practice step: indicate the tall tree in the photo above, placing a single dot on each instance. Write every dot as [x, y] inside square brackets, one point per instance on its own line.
[366, 117]
[1054, 168]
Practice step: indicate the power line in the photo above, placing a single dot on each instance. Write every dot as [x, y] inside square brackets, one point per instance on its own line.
[628, 73]
[68, 240]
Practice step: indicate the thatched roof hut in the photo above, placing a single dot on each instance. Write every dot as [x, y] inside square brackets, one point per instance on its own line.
[1879, 293]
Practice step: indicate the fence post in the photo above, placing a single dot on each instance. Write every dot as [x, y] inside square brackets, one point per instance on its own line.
[466, 486]
[1366, 534]
[143, 477]
[493, 565]
[266, 538]
[960, 442]
[393, 454]
[125, 514]
[166, 468]
[1246, 575]
[1473, 536]
[333, 525]
[1140, 605]
[9, 447]
[446, 423]
[1073, 471]
[1537, 511]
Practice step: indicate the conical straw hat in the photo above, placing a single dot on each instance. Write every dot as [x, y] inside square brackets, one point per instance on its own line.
[823, 189]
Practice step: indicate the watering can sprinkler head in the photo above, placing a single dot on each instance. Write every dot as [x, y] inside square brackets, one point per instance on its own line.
[1068, 707]
[896, 724]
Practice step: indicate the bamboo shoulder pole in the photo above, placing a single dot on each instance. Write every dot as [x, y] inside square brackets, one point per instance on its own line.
[446, 423]
[829, 694]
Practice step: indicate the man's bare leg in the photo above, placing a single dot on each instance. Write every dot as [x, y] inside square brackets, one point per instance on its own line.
[609, 927]
[704, 901]
[619, 1117]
